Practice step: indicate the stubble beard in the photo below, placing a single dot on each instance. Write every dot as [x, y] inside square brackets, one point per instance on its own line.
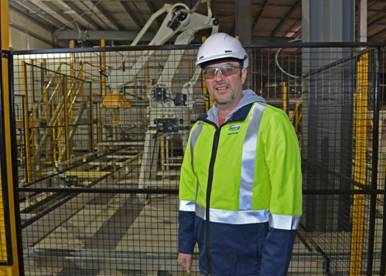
[229, 101]
[224, 102]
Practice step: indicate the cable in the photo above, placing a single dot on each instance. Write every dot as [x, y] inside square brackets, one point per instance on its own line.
[277, 61]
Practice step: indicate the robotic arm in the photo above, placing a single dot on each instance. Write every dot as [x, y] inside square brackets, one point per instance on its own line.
[179, 19]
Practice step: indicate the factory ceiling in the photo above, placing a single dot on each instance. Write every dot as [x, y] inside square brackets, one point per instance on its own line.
[120, 20]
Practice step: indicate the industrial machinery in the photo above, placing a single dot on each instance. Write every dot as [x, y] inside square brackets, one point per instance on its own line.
[73, 146]
[168, 112]
[67, 139]
[64, 127]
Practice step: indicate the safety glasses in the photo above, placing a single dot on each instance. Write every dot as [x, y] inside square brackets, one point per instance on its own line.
[226, 70]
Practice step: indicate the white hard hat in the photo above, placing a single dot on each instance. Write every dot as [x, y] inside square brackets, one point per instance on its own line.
[221, 46]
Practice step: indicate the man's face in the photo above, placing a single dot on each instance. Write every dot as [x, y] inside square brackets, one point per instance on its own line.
[224, 81]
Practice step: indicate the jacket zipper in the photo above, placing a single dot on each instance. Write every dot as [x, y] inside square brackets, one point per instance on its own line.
[208, 194]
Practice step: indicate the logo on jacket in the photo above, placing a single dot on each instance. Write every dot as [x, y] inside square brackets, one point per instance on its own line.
[234, 129]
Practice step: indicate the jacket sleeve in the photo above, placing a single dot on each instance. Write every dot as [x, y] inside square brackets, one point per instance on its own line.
[186, 239]
[284, 169]
[187, 194]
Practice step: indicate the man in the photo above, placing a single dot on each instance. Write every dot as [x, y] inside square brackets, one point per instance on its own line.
[240, 187]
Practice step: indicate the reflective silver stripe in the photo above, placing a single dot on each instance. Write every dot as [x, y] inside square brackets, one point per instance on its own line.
[187, 205]
[193, 139]
[249, 158]
[284, 222]
[234, 217]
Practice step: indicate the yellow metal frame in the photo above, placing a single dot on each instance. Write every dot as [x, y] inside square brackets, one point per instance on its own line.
[360, 130]
[103, 67]
[59, 97]
[284, 96]
[67, 114]
[12, 269]
[297, 119]
[115, 101]
[27, 136]
[103, 86]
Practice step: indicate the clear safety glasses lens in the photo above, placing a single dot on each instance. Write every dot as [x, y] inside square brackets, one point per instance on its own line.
[226, 70]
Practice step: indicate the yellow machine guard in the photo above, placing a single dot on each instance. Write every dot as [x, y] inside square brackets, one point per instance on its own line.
[115, 101]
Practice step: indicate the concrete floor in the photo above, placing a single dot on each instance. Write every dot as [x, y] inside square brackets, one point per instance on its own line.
[117, 234]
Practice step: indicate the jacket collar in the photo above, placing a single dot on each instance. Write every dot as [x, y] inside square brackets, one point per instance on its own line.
[239, 113]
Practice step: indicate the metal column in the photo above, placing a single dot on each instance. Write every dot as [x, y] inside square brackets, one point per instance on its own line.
[243, 21]
[328, 21]
[10, 235]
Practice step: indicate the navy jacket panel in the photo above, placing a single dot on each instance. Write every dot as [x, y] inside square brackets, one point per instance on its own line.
[235, 250]
[186, 237]
[277, 252]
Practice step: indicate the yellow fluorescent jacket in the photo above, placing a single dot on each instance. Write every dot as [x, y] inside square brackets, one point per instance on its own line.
[253, 165]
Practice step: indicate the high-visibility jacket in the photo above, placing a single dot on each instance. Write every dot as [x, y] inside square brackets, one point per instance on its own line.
[246, 177]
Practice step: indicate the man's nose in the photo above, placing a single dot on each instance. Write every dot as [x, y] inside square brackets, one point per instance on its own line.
[218, 76]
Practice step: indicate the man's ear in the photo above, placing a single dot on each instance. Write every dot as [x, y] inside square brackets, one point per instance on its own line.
[244, 73]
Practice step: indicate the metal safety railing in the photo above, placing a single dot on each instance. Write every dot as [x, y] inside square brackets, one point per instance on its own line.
[59, 105]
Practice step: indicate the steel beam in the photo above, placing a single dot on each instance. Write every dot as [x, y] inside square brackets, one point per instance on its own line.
[99, 14]
[259, 14]
[32, 8]
[75, 15]
[97, 35]
[285, 17]
[378, 33]
[132, 14]
[54, 13]
[31, 34]
[25, 11]
[243, 20]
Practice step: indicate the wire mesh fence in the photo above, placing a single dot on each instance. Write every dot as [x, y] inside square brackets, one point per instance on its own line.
[101, 135]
